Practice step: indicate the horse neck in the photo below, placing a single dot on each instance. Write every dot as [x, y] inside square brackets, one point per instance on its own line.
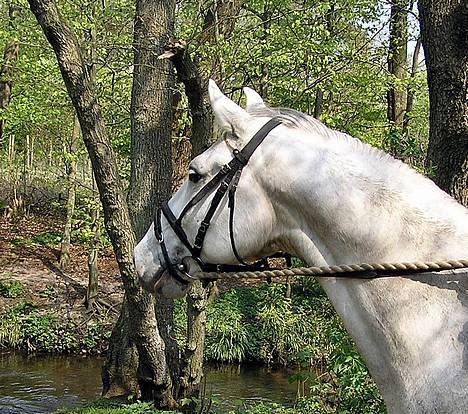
[352, 203]
[340, 209]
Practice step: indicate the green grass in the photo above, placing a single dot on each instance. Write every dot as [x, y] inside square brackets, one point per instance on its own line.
[112, 407]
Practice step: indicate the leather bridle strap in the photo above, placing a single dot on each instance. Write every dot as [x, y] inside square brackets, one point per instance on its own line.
[226, 179]
[231, 205]
[181, 276]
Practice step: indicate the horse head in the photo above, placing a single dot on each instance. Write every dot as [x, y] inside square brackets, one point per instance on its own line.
[164, 258]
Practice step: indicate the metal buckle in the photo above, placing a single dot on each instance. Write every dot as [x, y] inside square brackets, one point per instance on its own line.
[240, 157]
[225, 168]
[204, 226]
[223, 186]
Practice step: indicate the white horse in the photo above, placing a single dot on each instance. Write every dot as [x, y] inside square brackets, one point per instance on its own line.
[329, 199]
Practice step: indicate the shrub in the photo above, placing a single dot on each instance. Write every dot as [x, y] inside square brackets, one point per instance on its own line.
[25, 327]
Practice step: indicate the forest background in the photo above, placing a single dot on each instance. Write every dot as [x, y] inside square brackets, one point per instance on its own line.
[357, 65]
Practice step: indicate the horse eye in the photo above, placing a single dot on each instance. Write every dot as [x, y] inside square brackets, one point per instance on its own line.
[194, 177]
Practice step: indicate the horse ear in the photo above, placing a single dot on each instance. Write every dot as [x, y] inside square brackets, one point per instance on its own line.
[253, 99]
[228, 114]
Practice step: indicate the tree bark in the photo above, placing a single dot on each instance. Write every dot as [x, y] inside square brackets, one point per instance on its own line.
[397, 52]
[191, 371]
[152, 377]
[151, 113]
[93, 271]
[444, 31]
[196, 89]
[70, 163]
[219, 22]
[151, 122]
[410, 89]
[10, 57]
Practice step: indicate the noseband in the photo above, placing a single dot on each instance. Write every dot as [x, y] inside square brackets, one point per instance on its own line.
[226, 180]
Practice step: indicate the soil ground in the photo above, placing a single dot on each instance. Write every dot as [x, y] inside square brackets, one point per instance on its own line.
[36, 266]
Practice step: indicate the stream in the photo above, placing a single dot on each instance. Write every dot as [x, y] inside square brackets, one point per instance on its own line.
[41, 384]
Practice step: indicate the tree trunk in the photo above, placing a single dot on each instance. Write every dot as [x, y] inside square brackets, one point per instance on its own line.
[219, 22]
[93, 271]
[10, 57]
[70, 163]
[444, 31]
[151, 113]
[397, 52]
[318, 105]
[196, 89]
[152, 118]
[410, 89]
[191, 365]
[191, 372]
[152, 376]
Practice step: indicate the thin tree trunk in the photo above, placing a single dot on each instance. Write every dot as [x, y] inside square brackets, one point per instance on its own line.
[444, 32]
[70, 163]
[93, 271]
[410, 90]
[219, 21]
[10, 57]
[191, 373]
[26, 150]
[191, 365]
[264, 71]
[196, 90]
[318, 105]
[397, 52]
[152, 376]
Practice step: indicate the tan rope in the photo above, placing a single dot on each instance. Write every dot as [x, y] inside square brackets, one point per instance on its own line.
[330, 271]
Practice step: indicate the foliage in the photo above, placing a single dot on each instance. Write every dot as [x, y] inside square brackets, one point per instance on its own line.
[325, 57]
[262, 324]
[228, 336]
[27, 328]
[266, 408]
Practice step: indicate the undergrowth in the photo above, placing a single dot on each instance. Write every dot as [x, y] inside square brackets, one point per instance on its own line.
[301, 329]
[26, 328]
[11, 288]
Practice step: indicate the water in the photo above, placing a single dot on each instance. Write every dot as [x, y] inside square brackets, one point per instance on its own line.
[41, 384]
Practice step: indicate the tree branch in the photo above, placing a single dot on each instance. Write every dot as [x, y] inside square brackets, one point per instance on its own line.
[196, 88]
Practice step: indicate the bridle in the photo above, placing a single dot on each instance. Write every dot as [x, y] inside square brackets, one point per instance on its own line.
[226, 180]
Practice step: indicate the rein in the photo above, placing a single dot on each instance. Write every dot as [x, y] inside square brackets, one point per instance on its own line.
[226, 180]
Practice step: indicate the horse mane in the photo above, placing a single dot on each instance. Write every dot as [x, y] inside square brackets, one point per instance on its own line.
[386, 166]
